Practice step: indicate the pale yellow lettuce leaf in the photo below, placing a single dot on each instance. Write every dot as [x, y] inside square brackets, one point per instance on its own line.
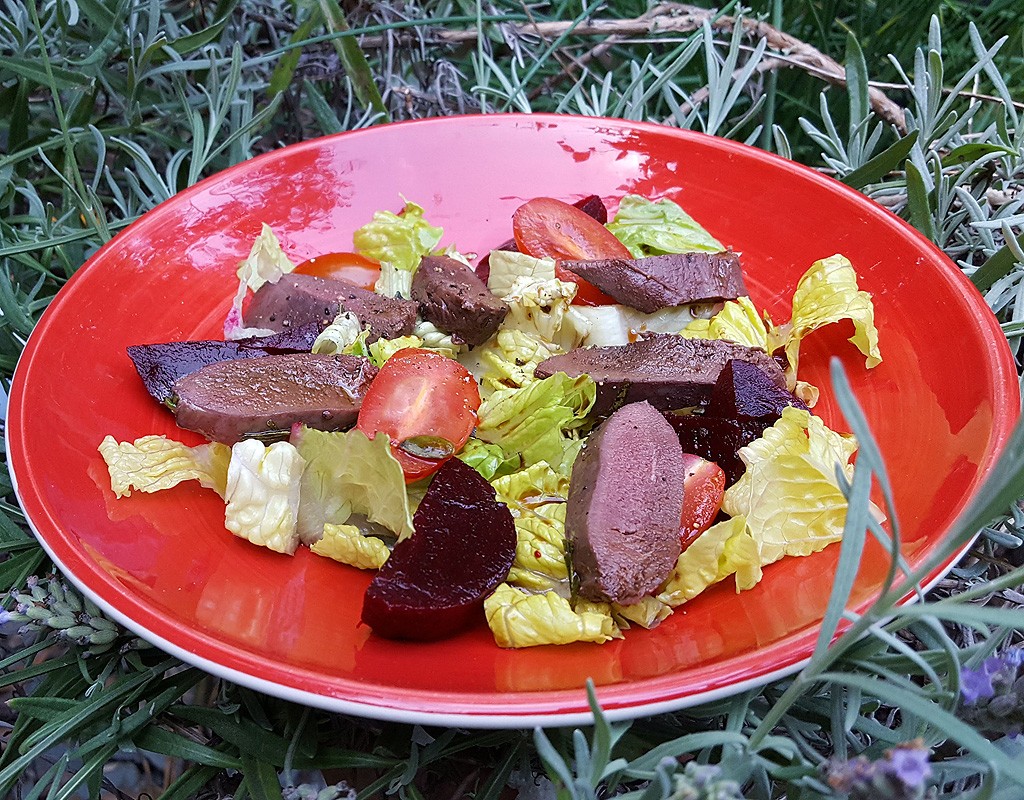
[263, 494]
[788, 493]
[615, 324]
[738, 321]
[521, 619]
[339, 335]
[349, 545]
[348, 473]
[433, 338]
[648, 613]
[724, 549]
[509, 359]
[828, 293]
[509, 266]
[399, 240]
[540, 548]
[266, 263]
[382, 349]
[543, 308]
[537, 485]
[154, 463]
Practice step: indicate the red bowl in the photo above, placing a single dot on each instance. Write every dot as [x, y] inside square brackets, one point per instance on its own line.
[941, 405]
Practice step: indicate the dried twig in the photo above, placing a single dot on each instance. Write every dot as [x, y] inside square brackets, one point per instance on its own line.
[670, 18]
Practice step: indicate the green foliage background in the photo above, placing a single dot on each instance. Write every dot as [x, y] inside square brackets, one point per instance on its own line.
[108, 107]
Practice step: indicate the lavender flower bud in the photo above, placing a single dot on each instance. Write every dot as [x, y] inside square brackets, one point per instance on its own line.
[901, 774]
[993, 695]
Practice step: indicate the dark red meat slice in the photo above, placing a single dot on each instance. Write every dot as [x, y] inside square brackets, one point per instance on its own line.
[160, 365]
[650, 284]
[298, 299]
[262, 398]
[624, 506]
[453, 298]
[666, 370]
[434, 583]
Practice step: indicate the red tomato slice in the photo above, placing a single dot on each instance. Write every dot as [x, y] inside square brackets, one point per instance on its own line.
[703, 487]
[548, 228]
[420, 393]
[350, 267]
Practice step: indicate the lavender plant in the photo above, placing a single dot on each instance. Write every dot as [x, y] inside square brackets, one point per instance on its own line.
[106, 109]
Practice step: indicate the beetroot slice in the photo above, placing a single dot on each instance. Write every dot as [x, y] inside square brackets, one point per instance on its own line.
[434, 583]
[743, 390]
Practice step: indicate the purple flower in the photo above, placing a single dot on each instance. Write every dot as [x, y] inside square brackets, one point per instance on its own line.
[975, 684]
[910, 765]
[899, 775]
[5, 616]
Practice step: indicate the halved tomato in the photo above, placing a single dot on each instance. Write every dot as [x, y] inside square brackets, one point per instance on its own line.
[548, 228]
[426, 403]
[350, 267]
[703, 488]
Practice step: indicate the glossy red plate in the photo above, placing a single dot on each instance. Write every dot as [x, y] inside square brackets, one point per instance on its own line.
[941, 405]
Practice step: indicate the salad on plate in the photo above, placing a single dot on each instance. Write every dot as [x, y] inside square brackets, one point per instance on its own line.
[578, 434]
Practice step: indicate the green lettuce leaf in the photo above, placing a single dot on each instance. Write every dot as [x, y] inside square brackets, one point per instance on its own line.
[155, 463]
[487, 459]
[398, 240]
[521, 619]
[537, 420]
[509, 359]
[789, 493]
[650, 228]
[348, 473]
[739, 322]
[263, 494]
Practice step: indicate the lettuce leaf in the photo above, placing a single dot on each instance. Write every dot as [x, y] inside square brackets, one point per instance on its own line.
[724, 549]
[739, 322]
[508, 266]
[508, 360]
[827, 293]
[542, 308]
[650, 228]
[789, 493]
[339, 335]
[348, 544]
[520, 619]
[433, 338]
[397, 240]
[536, 420]
[348, 473]
[487, 459]
[266, 263]
[616, 324]
[531, 488]
[650, 612]
[263, 494]
[155, 463]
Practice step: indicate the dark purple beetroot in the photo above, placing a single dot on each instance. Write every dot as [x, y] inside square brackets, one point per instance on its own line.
[591, 205]
[743, 391]
[718, 439]
[434, 583]
[160, 365]
[262, 398]
[625, 502]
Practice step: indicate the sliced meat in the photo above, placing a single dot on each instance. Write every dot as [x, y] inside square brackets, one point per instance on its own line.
[300, 299]
[263, 398]
[743, 391]
[624, 506]
[453, 298]
[666, 370]
[650, 284]
[160, 365]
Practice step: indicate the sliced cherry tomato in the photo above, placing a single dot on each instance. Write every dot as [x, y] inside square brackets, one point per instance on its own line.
[426, 404]
[703, 487]
[350, 267]
[548, 228]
